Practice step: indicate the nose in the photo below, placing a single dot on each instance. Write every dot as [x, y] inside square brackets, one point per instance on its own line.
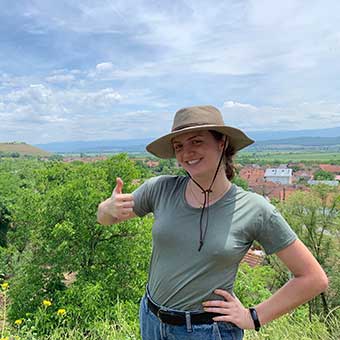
[188, 148]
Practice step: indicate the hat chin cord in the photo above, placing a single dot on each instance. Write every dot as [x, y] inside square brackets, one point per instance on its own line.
[206, 193]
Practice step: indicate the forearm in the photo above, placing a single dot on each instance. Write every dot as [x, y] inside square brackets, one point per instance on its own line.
[294, 293]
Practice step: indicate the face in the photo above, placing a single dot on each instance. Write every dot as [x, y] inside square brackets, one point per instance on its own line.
[198, 152]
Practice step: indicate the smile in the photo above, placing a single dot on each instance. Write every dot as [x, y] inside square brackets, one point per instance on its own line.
[194, 161]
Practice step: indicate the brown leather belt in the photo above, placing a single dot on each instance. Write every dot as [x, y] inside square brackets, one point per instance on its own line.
[180, 318]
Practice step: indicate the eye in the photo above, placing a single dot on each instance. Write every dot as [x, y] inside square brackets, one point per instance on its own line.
[177, 147]
[196, 141]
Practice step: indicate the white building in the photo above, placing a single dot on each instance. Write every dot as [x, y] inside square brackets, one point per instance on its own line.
[280, 175]
[316, 182]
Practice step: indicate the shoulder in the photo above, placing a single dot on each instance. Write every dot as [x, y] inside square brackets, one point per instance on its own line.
[164, 182]
[253, 201]
[250, 196]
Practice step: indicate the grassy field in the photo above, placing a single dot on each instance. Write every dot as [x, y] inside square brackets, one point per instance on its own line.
[286, 157]
[274, 157]
[22, 149]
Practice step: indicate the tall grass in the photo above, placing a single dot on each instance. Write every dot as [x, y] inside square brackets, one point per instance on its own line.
[126, 326]
[292, 328]
[287, 327]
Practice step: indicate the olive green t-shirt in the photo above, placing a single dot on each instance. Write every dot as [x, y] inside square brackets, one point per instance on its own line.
[181, 277]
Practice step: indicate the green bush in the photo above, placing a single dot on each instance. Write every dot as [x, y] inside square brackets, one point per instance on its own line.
[252, 284]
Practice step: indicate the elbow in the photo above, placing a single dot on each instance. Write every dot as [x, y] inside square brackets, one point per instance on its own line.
[320, 283]
[323, 283]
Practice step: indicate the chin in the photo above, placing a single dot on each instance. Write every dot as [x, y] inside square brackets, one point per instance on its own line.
[197, 173]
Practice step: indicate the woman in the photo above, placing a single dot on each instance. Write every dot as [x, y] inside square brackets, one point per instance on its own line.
[203, 227]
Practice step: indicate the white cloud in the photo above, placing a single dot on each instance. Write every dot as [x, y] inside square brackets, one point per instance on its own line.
[60, 78]
[231, 105]
[74, 113]
[231, 38]
[301, 116]
[104, 67]
[42, 100]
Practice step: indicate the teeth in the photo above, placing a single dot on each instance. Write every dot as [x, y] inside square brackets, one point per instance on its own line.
[193, 161]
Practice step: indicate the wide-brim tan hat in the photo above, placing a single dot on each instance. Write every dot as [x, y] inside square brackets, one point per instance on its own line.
[197, 118]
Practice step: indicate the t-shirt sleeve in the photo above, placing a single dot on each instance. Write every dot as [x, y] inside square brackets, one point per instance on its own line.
[144, 198]
[274, 233]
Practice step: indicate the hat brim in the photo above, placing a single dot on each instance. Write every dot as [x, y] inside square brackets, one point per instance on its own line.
[162, 147]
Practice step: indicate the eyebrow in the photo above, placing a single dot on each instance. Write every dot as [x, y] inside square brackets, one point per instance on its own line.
[198, 135]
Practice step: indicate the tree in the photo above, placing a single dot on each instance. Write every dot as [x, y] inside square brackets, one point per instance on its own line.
[55, 232]
[315, 217]
[323, 175]
[240, 182]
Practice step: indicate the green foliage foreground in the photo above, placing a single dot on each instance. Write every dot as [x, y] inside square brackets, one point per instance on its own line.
[71, 278]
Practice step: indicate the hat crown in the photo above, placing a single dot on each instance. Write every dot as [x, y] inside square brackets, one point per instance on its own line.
[197, 116]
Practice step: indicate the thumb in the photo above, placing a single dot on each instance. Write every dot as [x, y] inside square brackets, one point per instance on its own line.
[119, 186]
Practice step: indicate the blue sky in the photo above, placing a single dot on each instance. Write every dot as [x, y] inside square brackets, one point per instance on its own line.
[90, 70]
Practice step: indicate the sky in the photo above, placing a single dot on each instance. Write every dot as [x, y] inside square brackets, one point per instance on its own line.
[94, 70]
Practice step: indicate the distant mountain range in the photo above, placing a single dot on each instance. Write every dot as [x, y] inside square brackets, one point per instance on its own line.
[99, 146]
[331, 144]
[324, 139]
[284, 134]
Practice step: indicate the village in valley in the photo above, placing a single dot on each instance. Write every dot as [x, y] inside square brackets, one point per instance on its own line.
[278, 183]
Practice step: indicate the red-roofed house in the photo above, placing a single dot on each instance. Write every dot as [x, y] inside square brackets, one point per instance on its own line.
[277, 190]
[253, 257]
[152, 164]
[253, 175]
[302, 174]
[335, 169]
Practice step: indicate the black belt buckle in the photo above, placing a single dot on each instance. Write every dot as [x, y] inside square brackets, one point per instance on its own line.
[159, 313]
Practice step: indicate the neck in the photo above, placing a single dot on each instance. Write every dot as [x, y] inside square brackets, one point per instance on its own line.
[194, 194]
[220, 186]
[221, 181]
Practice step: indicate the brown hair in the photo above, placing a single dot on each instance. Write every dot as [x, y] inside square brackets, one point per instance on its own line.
[229, 154]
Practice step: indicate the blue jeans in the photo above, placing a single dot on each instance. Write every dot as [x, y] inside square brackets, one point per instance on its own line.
[153, 329]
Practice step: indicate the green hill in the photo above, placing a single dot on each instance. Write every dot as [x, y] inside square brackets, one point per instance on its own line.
[22, 149]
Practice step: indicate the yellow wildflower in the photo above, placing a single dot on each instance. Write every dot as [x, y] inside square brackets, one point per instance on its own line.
[18, 322]
[4, 286]
[47, 303]
[5, 338]
[61, 311]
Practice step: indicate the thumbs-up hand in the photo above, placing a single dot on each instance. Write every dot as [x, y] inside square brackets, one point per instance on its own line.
[119, 186]
[121, 204]
[118, 207]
